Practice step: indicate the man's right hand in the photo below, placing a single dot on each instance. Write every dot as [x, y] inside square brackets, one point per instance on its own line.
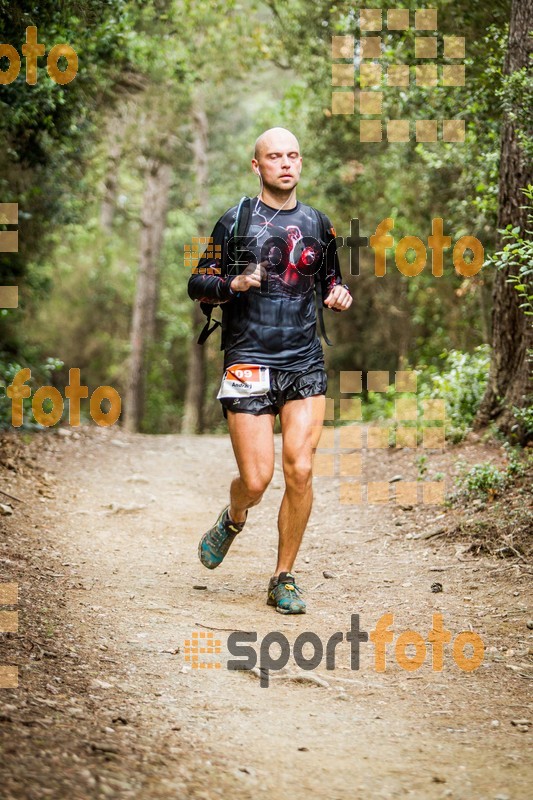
[252, 275]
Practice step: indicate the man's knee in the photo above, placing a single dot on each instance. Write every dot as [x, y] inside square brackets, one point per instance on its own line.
[298, 473]
[256, 485]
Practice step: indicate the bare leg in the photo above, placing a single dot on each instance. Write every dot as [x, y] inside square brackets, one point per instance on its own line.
[252, 438]
[301, 423]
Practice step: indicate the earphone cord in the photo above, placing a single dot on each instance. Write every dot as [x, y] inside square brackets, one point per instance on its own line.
[259, 198]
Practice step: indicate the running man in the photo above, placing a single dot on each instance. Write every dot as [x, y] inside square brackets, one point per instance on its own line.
[273, 358]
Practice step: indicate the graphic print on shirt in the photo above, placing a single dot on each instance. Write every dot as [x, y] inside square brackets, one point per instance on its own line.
[292, 258]
[273, 324]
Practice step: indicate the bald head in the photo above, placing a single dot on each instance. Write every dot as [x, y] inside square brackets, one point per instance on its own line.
[278, 163]
[275, 138]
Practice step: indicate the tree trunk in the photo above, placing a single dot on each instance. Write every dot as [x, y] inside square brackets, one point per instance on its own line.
[107, 208]
[110, 187]
[509, 381]
[153, 215]
[195, 391]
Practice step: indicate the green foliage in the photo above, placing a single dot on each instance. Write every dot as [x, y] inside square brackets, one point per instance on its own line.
[516, 94]
[517, 460]
[48, 131]
[516, 258]
[524, 417]
[482, 480]
[461, 383]
[486, 480]
[162, 408]
[459, 380]
[143, 66]
[410, 182]
[155, 58]
[379, 405]
[421, 464]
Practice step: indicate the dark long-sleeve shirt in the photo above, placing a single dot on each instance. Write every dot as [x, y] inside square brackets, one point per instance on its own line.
[274, 324]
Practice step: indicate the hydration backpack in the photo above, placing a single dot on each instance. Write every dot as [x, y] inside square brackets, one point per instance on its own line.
[240, 230]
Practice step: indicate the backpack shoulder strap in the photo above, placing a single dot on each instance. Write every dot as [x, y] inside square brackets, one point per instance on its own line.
[323, 223]
[206, 331]
[239, 228]
[318, 284]
[242, 220]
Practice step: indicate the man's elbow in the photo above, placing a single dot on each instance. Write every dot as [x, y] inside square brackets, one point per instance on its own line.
[192, 287]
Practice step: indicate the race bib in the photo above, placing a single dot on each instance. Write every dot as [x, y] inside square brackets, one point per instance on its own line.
[244, 380]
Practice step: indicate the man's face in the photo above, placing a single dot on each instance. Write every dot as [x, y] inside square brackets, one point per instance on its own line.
[280, 162]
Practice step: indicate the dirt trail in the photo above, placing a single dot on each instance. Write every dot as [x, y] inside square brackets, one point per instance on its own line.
[148, 726]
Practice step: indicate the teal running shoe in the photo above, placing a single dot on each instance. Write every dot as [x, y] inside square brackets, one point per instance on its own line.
[217, 541]
[284, 594]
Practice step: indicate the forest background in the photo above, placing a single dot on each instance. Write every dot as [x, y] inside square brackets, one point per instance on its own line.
[116, 171]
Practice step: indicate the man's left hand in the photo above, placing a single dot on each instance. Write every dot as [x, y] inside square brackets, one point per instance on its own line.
[339, 298]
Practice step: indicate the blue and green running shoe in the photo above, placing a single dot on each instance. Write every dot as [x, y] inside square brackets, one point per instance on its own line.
[285, 595]
[217, 541]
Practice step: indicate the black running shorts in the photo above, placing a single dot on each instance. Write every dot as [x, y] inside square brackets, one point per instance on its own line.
[283, 386]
